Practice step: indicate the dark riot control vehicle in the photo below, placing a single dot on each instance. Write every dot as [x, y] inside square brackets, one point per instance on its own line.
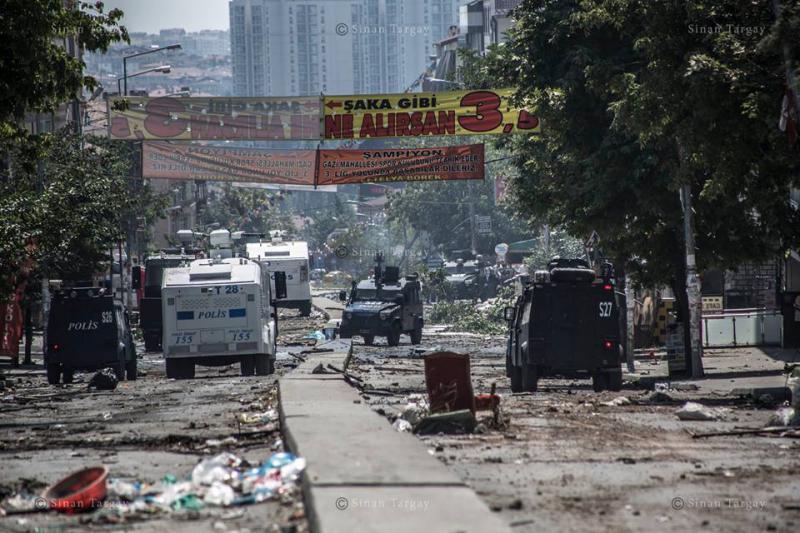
[565, 323]
[471, 279]
[150, 320]
[88, 329]
[384, 306]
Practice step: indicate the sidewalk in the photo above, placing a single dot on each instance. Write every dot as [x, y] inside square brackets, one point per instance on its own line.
[746, 371]
[362, 475]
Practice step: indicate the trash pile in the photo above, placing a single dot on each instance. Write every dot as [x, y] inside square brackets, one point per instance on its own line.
[450, 405]
[697, 411]
[790, 416]
[221, 481]
[416, 409]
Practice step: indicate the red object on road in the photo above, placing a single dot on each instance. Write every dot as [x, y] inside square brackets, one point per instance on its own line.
[486, 402]
[82, 491]
[449, 383]
[11, 324]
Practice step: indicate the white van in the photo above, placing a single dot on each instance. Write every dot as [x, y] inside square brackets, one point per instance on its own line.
[219, 311]
[290, 257]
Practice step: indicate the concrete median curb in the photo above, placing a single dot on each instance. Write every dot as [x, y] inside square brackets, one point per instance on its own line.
[362, 475]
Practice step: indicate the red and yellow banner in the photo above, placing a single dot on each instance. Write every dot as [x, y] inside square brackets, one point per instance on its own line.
[214, 118]
[338, 167]
[311, 167]
[214, 163]
[450, 113]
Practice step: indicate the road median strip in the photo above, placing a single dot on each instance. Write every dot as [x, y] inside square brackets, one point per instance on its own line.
[362, 475]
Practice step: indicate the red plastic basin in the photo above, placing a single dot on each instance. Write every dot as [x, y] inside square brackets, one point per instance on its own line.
[80, 492]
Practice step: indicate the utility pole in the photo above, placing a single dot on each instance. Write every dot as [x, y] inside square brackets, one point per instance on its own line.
[473, 238]
[546, 239]
[692, 285]
[630, 303]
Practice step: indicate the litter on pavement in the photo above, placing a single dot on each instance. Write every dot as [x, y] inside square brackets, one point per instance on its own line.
[103, 380]
[223, 480]
[696, 411]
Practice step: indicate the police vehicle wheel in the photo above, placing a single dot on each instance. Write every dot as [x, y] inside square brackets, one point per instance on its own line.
[516, 379]
[599, 381]
[416, 336]
[393, 338]
[369, 340]
[119, 371]
[151, 343]
[53, 373]
[614, 378]
[68, 375]
[248, 365]
[530, 377]
[180, 369]
[262, 363]
[131, 370]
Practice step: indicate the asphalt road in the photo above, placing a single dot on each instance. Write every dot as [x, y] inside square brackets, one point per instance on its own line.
[564, 461]
[145, 430]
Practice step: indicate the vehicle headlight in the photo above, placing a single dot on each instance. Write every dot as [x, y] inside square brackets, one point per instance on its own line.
[386, 315]
[467, 282]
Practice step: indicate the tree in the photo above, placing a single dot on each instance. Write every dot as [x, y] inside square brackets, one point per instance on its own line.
[39, 73]
[638, 98]
[72, 205]
[440, 211]
[43, 178]
[245, 209]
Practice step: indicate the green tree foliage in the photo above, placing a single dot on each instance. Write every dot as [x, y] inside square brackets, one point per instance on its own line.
[441, 210]
[38, 71]
[72, 204]
[246, 209]
[639, 97]
[65, 197]
[560, 243]
[323, 222]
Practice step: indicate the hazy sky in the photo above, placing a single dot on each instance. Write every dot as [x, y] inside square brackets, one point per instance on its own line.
[153, 15]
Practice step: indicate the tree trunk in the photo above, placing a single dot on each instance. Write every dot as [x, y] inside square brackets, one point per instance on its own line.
[682, 308]
[630, 302]
[694, 358]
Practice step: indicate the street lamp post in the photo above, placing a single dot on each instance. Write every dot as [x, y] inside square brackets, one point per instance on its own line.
[163, 68]
[151, 51]
[439, 80]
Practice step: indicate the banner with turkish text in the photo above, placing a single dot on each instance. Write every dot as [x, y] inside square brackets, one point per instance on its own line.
[478, 112]
[338, 167]
[214, 118]
[215, 163]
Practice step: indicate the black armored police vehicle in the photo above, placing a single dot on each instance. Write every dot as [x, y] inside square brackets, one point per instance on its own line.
[383, 306]
[150, 320]
[565, 323]
[88, 329]
[471, 279]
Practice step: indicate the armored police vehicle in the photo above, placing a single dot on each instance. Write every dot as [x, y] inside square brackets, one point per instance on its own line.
[384, 306]
[150, 304]
[88, 329]
[217, 312]
[564, 322]
[291, 257]
[470, 279]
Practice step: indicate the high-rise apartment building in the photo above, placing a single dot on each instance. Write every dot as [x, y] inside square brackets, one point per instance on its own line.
[304, 47]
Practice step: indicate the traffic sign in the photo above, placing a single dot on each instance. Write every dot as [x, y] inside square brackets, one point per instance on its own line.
[483, 225]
